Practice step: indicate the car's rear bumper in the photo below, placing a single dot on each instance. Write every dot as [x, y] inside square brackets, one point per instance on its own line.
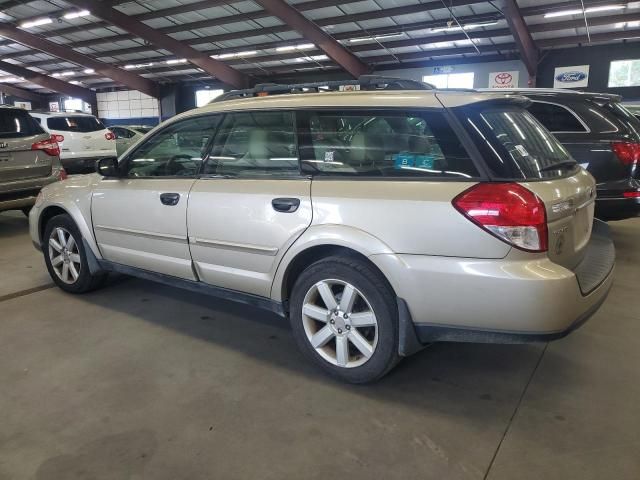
[611, 202]
[617, 208]
[500, 300]
[21, 194]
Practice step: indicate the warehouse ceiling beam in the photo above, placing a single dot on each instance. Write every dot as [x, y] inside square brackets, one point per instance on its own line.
[50, 83]
[215, 68]
[522, 36]
[21, 93]
[129, 79]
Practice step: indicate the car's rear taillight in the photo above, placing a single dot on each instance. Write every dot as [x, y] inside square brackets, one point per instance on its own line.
[62, 174]
[508, 211]
[627, 152]
[110, 136]
[58, 138]
[631, 194]
[49, 146]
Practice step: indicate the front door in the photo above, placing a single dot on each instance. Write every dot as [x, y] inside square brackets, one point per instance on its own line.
[140, 219]
[251, 203]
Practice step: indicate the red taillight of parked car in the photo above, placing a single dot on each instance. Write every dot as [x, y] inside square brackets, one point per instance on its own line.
[631, 194]
[110, 136]
[627, 152]
[508, 211]
[49, 146]
[58, 138]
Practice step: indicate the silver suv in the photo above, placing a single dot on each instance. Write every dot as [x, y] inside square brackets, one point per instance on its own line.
[29, 159]
[378, 221]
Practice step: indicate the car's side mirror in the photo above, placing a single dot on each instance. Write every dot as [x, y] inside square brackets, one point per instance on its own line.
[108, 167]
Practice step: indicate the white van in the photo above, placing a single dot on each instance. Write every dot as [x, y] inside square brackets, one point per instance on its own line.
[83, 139]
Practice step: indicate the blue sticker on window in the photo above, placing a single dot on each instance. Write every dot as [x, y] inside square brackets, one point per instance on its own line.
[403, 160]
[424, 161]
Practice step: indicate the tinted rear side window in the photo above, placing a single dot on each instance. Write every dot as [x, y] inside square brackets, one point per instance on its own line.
[75, 124]
[17, 124]
[631, 122]
[382, 144]
[556, 118]
[514, 144]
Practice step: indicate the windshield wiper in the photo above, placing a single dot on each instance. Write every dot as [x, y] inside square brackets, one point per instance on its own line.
[568, 164]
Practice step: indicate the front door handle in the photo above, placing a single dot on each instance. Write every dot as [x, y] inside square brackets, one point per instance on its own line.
[170, 199]
[286, 205]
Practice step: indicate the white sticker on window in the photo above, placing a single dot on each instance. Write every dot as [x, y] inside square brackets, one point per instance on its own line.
[522, 151]
[329, 155]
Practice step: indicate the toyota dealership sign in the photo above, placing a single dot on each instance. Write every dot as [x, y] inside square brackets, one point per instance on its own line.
[503, 79]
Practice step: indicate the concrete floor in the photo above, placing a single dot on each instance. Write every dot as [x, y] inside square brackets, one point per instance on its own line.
[141, 381]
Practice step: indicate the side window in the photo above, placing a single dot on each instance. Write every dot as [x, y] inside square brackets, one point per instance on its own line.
[556, 118]
[118, 132]
[177, 150]
[255, 143]
[389, 144]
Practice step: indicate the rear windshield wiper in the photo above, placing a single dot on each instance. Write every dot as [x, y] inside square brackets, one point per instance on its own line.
[568, 164]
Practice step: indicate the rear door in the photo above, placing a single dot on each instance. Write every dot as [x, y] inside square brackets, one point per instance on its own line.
[516, 147]
[251, 204]
[84, 136]
[18, 132]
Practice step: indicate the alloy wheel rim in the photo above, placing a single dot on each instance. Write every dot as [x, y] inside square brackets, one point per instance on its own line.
[64, 255]
[340, 323]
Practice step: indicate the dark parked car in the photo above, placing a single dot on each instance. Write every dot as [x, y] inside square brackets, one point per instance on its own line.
[603, 136]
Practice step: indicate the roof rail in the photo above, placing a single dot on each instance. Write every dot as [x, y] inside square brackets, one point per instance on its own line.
[364, 82]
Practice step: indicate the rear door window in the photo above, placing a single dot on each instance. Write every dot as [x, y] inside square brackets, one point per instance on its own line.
[83, 124]
[556, 118]
[382, 144]
[514, 145]
[17, 124]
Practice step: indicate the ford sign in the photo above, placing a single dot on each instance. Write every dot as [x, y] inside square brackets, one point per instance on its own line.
[570, 77]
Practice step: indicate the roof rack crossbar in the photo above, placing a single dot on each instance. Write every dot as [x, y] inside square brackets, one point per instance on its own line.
[366, 81]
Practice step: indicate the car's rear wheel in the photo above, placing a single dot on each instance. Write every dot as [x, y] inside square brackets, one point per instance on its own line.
[344, 317]
[66, 258]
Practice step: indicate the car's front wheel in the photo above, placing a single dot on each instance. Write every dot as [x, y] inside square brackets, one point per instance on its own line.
[66, 258]
[344, 317]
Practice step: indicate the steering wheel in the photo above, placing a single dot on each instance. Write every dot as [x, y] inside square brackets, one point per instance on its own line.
[169, 166]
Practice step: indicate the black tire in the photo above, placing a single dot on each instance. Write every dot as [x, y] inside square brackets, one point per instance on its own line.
[86, 281]
[382, 301]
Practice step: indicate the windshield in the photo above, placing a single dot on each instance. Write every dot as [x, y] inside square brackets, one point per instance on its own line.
[17, 124]
[515, 145]
[75, 124]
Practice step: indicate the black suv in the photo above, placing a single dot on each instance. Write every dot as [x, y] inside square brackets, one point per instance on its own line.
[603, 136]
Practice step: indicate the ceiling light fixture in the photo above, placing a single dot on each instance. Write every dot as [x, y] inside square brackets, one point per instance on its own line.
[289, 48]
[469, 26]
[176, 60]
[235, 55]
[377, 37]
[11, 79]
[577, 11]
[138, 65]
[63, 74]
[89, 71]
[80, 13]
[36, 23]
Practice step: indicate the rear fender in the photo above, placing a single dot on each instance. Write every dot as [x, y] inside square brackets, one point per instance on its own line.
[326, 235]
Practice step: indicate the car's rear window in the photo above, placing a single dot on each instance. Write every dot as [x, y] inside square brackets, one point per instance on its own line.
[515, 145]
[17, 124]
[630, 121]
[142, 129]
[75, 124]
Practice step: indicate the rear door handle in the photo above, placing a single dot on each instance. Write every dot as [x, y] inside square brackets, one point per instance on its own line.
[170, 199]
[286, 205]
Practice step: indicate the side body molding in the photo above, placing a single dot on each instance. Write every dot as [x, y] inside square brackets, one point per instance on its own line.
[326, 235]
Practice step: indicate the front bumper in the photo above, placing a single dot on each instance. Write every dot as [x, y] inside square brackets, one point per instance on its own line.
[500, 300]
